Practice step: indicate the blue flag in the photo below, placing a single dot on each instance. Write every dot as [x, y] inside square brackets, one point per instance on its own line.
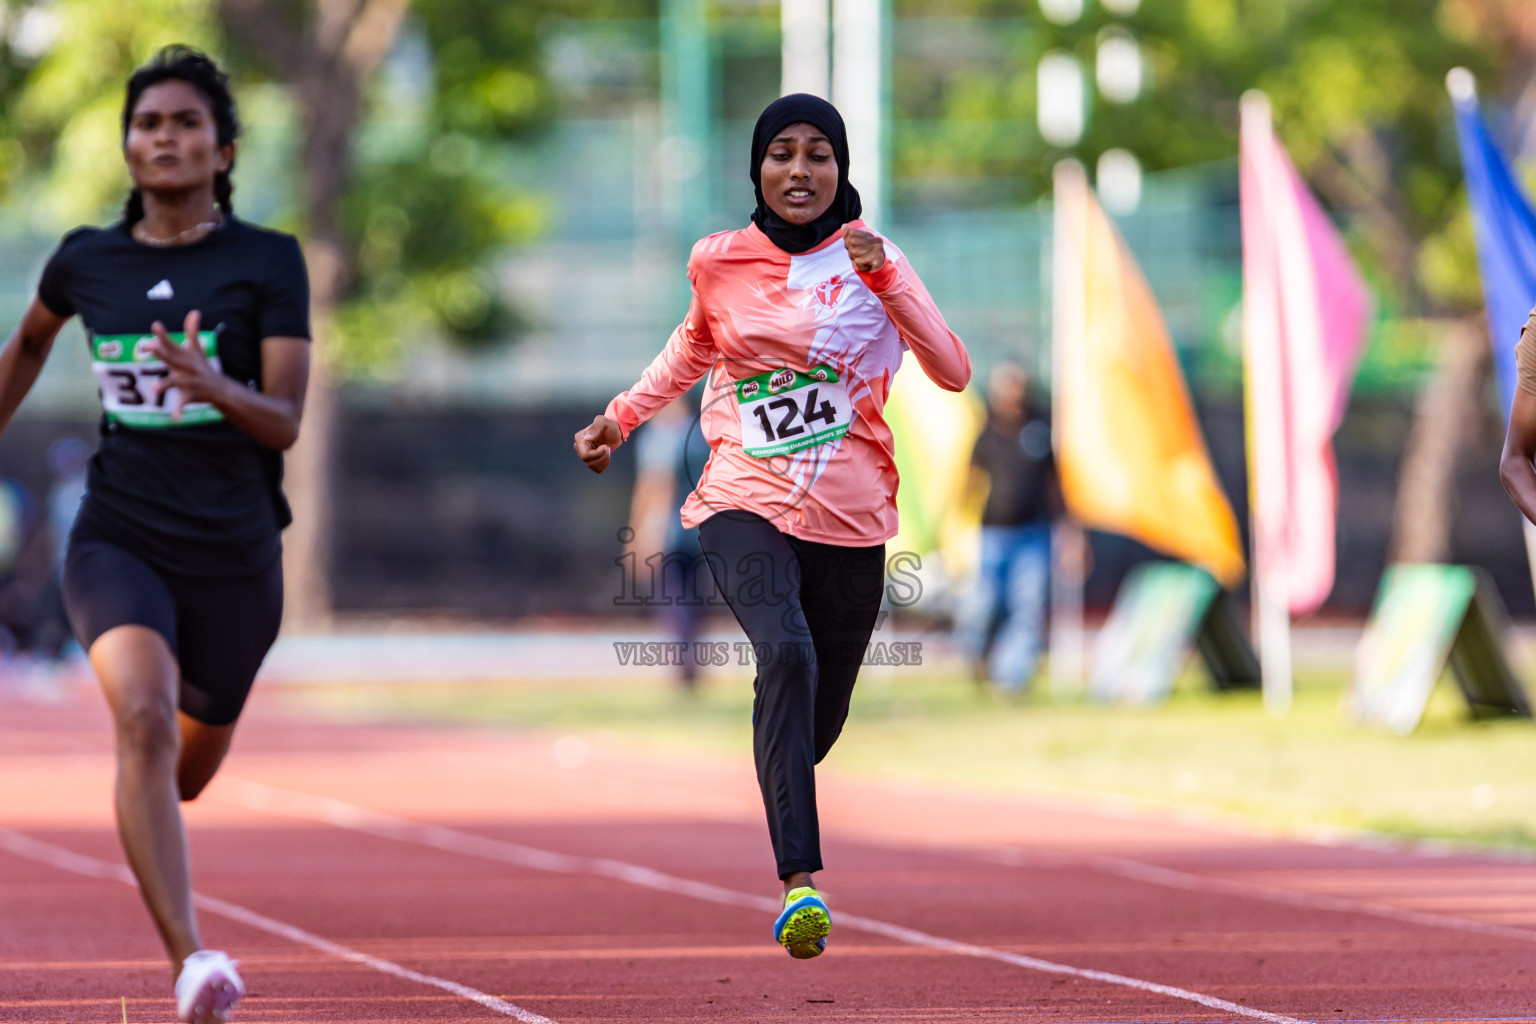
[1506, 235]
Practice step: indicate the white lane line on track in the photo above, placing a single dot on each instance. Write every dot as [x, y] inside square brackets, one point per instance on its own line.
[261, 797]
[68, 860]
[1152, 874]
[1314, 901]
[730, 810]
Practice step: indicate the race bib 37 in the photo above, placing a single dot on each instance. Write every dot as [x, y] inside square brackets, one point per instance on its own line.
[128, 376]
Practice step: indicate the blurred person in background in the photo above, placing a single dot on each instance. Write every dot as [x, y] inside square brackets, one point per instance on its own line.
[173, 576]
[18, 514]
[49, 633]
[670, 454]
[36, 631]
[23, 566]
[1000, 624]
[68, 460]
[800, 320]
[33, 539]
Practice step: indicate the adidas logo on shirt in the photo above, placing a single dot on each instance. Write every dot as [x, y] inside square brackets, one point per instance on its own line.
[163, 290]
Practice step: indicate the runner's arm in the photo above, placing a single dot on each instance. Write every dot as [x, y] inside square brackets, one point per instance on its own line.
[270, 416]
[23, 354]
[939, 352]
[688, 355]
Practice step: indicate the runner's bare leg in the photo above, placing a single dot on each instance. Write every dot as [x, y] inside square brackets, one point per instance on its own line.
[140, 678]
[203, 747]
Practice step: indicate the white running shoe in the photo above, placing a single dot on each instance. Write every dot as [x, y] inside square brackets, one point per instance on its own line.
[208, 987]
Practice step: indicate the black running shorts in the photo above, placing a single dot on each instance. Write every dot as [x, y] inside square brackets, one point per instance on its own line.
[219, 628]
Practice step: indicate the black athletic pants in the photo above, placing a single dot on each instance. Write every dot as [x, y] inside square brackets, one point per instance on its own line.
[809, 610]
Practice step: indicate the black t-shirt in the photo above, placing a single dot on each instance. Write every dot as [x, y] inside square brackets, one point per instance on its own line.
[1022, 471]
[201, 498]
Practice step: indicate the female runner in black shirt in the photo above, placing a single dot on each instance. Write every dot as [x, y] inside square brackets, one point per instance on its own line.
[173, 577]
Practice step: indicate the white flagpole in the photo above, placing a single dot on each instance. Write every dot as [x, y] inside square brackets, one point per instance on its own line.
[1264, 376]
[806, 48]
[1068, 299]
[858, 89]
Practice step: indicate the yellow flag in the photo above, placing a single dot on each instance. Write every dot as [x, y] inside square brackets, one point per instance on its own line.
[934, 431]
[1129, 450]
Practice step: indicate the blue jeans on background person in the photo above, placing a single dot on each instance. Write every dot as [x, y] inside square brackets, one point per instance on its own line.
[686, 588]
[1002, 620]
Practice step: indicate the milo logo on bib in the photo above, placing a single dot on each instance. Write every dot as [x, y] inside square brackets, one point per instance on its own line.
[129, 378]
[786, 410]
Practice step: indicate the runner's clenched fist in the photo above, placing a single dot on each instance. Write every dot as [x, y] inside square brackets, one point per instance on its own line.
[596, 443]
[865, 248]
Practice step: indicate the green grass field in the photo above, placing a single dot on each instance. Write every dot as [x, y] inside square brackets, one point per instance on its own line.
[1452, 779]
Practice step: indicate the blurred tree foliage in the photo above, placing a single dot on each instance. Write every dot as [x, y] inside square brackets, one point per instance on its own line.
[1358, 90]
[63, 67]
[428, 207]
[423, 212]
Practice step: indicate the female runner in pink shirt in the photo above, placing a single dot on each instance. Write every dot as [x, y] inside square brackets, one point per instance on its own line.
[799, 321]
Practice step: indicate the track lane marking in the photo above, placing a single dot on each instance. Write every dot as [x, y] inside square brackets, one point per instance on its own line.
[1171, 878]
[1152, 874]
[1123, 809]
[1319, 901]
[68, 860]
[1168, 877]
[289, 803]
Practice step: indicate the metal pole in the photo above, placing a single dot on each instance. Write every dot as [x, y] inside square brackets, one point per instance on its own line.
[1068, 306]
[806, 47]
[859, 91]
[685, 103]
[1264, 382]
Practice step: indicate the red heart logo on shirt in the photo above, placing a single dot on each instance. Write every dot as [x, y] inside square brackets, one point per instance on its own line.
[827, 292]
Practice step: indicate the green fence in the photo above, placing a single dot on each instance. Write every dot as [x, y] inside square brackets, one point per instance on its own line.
[602, 286]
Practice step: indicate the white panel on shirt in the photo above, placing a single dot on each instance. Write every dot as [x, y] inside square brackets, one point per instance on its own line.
[853, 329]
[852, 332]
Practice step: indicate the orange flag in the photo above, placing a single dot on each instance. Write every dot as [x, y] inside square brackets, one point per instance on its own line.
[1129, 450]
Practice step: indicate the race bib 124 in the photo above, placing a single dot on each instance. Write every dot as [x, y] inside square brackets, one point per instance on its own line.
[783, 411]
[129, 376]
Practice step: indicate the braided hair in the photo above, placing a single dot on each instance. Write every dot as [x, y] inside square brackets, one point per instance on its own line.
[181, 63]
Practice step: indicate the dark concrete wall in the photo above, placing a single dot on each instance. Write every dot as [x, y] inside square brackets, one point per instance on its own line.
[489, 514]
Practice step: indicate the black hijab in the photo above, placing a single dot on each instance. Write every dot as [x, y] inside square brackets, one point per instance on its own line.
[798, 108]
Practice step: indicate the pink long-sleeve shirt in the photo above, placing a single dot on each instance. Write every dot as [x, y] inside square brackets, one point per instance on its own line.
[798, 349]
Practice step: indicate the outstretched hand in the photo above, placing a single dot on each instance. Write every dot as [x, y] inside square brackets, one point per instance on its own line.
[865, 248]
[595, 444]
[189, 372]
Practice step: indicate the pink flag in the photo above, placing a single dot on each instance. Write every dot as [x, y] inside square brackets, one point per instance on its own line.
[1305, 314]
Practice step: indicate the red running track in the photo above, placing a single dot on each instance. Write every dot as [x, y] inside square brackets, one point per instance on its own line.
[380, 874]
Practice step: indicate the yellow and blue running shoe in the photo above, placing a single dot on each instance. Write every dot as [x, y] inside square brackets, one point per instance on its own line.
[803, 925]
